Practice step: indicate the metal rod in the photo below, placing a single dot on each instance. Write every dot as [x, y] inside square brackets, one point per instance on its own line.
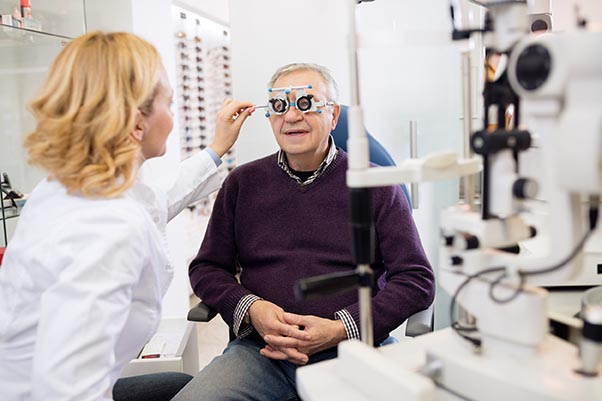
[467, 181]
[3, 214]
[414, 155]
[365, 301]
[353, 70]
[4, 222]
[358, 159]
[357, 141]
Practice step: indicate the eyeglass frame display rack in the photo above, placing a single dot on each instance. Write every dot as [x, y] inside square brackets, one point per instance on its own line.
[24, 33]
[203, 82]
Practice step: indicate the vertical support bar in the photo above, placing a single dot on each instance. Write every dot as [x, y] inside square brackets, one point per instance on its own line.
[353, 70]
[467, 182]
[357, 145]
[2, 209]
[365, 301]
[357, 140]
[414, 155]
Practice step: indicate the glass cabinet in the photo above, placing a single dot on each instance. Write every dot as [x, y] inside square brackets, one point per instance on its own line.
[26, 50]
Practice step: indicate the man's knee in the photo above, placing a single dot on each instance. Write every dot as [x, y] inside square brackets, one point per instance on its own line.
[240, 373]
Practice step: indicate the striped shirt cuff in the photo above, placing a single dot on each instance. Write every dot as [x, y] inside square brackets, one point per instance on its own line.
[240, 328]
[214, 156]
[350, 327]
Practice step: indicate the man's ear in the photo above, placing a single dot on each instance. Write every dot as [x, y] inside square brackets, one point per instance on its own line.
[138, 132]
[335, 115]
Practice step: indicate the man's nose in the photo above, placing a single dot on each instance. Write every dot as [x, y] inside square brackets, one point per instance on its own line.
[293, 114]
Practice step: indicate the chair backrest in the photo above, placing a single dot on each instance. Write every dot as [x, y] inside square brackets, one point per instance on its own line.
[378, 154]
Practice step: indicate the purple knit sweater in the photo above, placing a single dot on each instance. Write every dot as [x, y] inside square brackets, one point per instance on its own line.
[279, 232]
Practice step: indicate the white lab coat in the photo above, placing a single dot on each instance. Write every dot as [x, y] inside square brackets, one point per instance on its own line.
[81, 285]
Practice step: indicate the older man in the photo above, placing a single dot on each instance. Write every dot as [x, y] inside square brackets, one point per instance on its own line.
[283, 218]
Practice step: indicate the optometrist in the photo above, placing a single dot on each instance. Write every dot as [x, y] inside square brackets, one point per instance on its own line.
[84, 274]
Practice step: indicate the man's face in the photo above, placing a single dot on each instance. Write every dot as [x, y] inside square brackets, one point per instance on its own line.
[304, 137]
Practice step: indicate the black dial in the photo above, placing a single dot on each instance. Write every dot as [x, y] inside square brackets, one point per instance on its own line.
[539, 25]
[533, 67]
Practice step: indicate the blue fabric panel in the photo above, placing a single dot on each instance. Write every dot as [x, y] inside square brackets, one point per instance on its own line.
[378, 154]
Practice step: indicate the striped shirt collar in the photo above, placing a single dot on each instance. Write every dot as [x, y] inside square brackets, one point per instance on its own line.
[330, 156]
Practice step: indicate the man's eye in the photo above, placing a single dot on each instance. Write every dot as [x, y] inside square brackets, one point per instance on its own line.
[278, 105]
[303, 104]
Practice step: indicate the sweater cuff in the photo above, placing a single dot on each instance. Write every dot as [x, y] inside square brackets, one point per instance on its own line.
[350, 326]
[240, 328]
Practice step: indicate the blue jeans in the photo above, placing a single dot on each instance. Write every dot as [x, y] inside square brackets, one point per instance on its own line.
[242, 373]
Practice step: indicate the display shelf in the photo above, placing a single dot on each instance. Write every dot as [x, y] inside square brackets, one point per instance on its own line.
[14, 33]
[25, 50]
[25, 56]
[57, 17]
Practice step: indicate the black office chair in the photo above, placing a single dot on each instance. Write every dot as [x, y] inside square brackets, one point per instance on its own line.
[417, 324]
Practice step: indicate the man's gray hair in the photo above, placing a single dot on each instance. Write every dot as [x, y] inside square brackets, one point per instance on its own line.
[331, 84]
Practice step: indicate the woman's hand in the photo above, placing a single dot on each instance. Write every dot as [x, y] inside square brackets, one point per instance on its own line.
[228, 123]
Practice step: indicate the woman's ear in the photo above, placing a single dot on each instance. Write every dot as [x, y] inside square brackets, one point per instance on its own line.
[335, 115]
[138, 132]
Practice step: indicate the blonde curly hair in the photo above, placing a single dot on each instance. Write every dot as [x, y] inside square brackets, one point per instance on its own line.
[86, 112]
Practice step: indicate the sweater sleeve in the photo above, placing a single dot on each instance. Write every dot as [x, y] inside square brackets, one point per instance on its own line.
[409, 279]
[213, 271]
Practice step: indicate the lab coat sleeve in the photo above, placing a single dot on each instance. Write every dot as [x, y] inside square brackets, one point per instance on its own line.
[409, 279]
[83, 312]
[197, 178]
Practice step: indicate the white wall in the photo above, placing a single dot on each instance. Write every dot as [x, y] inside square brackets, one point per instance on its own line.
[564, 14]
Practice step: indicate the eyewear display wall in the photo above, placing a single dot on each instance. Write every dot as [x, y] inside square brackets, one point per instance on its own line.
[203, 82]
[203, 78]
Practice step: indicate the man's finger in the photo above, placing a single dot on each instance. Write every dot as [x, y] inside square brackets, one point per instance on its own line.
[279, 342]
[294, 319]
[272, 353]
[292, 354]
[293, 331]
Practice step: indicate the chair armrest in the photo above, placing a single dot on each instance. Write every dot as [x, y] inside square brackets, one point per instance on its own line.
[201, 313]
[420, 322]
